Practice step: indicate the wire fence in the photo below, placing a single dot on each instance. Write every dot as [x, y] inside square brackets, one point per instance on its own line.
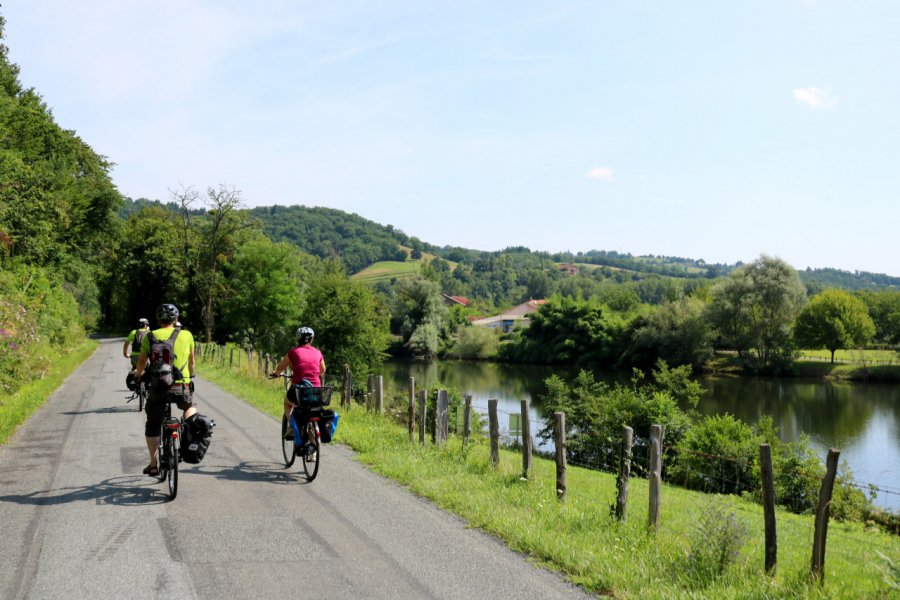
[721, 472]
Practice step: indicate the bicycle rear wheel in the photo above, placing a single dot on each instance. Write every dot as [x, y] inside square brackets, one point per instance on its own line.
[311, 456]
[287, 446]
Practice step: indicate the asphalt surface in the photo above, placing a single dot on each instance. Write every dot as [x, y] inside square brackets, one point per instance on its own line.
[78, 520]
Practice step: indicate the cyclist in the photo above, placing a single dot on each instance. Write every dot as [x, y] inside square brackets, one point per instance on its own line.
[179, 393]
[132, 347]
[307, 368]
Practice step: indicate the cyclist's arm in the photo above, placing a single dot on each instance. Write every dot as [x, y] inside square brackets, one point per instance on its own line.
[125, 349]
[282, 365]
[322, 370]
[191, 361]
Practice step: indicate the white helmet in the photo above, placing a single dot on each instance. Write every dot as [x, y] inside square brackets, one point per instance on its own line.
[305, 335]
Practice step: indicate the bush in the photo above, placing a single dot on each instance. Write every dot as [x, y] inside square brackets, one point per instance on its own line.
[38, 318]
[718, 455]
[715, 543]
[475, 343]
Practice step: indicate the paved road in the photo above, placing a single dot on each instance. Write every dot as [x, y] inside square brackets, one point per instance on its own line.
[78, 520]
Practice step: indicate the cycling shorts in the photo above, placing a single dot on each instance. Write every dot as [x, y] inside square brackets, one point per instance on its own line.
[179, 395]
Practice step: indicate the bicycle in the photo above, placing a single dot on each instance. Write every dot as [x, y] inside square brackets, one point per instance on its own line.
[140, 393]
[306, 440]
[167, 458]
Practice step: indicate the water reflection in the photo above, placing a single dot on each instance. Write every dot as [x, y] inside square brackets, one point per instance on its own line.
[862, 420]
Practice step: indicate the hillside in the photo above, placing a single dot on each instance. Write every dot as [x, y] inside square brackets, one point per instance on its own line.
[361, 243]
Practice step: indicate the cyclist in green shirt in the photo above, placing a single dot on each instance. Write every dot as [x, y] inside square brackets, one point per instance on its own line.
[179, 393]
[132, 348]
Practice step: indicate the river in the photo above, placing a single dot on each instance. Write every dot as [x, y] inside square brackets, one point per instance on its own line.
[863, 421]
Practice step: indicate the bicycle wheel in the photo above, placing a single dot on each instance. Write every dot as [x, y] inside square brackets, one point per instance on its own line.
[162, 462]
[172, 468]
[311, 456]
[287, 446]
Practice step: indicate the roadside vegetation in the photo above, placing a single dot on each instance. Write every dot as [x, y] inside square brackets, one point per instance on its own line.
[708, 545]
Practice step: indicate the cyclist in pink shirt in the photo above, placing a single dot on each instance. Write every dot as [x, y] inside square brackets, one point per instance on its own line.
[307, 367]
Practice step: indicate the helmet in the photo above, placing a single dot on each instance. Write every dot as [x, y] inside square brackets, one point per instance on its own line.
[143, 322]
[167, 313]
[305, 335]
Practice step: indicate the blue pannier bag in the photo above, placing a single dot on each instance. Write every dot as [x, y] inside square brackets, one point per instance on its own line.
[328, 425]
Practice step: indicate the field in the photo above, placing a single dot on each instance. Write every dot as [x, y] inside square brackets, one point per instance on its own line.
[387, 270]
[882, 357]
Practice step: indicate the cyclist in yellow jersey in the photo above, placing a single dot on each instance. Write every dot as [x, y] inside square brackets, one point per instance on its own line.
[179, 393]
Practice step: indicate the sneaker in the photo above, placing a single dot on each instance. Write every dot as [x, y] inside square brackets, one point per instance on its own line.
[311, 454]
[289, 433]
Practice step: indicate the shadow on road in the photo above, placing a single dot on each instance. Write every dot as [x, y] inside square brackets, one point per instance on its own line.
[121, 491]
[103, 411]
[253, 472]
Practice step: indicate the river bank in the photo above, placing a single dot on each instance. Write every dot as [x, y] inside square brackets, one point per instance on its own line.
[812, 369]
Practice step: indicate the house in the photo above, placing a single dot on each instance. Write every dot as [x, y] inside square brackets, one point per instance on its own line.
[517, 316]
[455, 300]
[569, 269]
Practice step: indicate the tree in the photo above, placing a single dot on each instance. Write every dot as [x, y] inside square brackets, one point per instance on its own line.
[677, 332]
[834, 319]
[755, 308]
[210, 244]
[351, 325]
[418, 315]
[266, 286]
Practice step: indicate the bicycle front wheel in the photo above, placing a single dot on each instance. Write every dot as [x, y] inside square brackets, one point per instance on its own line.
[311, 456]
[287, 446]
[172, 467]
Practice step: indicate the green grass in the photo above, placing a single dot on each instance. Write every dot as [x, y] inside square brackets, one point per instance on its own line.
[579, 538]
[854, 356]
[387, 270]
[15, 409]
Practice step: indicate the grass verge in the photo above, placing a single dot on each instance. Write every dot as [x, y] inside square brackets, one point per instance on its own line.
[579, 538]
[15, 409]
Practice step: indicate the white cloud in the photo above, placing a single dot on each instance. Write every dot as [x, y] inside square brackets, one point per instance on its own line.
[814, 97]
[601, 174]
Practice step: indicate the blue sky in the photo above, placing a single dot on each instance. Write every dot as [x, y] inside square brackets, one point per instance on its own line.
[713, 130]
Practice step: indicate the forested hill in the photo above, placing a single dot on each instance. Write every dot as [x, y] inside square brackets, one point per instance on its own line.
[359, 242]
[326, 232]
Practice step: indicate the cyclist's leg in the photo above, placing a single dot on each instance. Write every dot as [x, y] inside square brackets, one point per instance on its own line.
[155, 408]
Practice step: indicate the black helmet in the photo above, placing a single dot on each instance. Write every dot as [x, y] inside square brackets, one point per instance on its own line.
[167, 313]
[305, 335]
[143, 322]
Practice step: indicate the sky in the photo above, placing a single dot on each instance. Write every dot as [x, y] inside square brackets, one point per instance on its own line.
[709, 130]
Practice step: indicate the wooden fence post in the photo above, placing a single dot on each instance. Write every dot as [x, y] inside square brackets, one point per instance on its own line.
[768, 498]
[223, 357]
[624, 474]
[423, 398]
[467, 419]
[526, 441]
[231, 358]
[656, 441]
[411, 412]
[259, 363]
[494, 432]
[822, 512]
[370, 389]
[347, 388]
[560, 441]
[441, 418]
[379, 394]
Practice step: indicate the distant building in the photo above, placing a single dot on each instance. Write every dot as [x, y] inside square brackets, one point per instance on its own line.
[455, 300]
[517, 316]
[569, 269]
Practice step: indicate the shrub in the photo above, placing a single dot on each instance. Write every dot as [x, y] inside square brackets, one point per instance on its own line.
[715, 542]
[718, 455]
[475, 343]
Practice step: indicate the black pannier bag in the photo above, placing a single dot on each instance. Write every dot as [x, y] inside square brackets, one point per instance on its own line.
[196, 435]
